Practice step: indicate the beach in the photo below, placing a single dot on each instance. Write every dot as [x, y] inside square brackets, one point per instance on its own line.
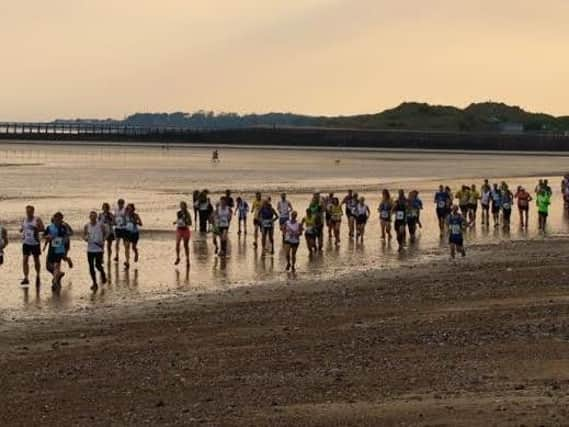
[476, 341]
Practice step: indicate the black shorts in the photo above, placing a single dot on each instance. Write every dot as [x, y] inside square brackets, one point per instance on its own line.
[222, 229]
[542, 214]
[361, 219]
[485, 207]
[292, 244]
[495, 209]
[31, 250]
[442, 213]
[456, 240]
[507, 213]
[53, 258]
[523, 208]
[257, 223]
[328, 218]
[111, 237]
[464, 208]
[400, 223]
[132, 237]
[121, 233]
[1, 259]
[473, 207]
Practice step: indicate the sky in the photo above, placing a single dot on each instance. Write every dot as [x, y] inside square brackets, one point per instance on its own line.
[112, 58]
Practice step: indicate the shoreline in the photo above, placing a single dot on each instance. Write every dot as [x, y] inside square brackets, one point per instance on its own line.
[458, 343]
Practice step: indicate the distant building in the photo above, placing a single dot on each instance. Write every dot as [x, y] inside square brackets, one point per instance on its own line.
[512, 128]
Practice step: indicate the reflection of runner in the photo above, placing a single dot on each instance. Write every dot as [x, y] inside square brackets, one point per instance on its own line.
[31, 227]
[95, 233]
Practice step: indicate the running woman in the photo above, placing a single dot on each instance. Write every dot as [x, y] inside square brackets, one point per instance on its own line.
[3, 243]
[485, 197]
[309, 224]
[473, 205]
[242, 211]
[284, 208]
[196, 205]
[293, 231]
[55, 235]
[120, 227]
[400, 212]
[385, 209]
[336, 214]
[107, 218]
[95, 233]
[267, 217]
[543, 201]
[31, 228]
[507, 202]
[224, 214]
[442, 199]
[456, 225]
[524, 199]
[414, 206]
[133, 222]
[496, 196]
[362, 215]
[256, 206]
[183, 224]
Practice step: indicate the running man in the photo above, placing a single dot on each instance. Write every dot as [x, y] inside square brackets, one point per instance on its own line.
[414, 206]
[485, 197]
[456, 225]
[496, 196]
[256, 206]
[473, 205]
[318, 214]
[293, 231]
[400, 212]
[107, 218]
[224, 214]
[95, 233]
[133, 222]
[349, 202]
[524, 199]
[328, 203]
[463, 195]
[442, 200]
[336, 214]
[120, 227]
[362, 215]
[55, 235]
[183, 224]
[385, 210]
[543, 202]
[242, 211]
[284, 208]
[267, 217]
[507, 203]
[31, 228]
[309, 225]
[3, 243]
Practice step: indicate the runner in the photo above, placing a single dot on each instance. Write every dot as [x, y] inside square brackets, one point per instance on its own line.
[507, 202]
[224, 214]
[543, 202]
[362, 215]
[442, 200]
[3, 243]
[349, 203]
[414, 206]
[229, 200]
[496, 196]
[267, 217]
[55, 235]
[241, 211]
[284, 207]
[215, 231]
[67, 242]
[204, 210]
[473, 205]
[293, 231]
[385, 209]
[255, 208]
[133, 222]
[183, 224]
[318, 214]
[419, 207]
[457, 224]
[328, 203]
[108, 219]
[336, 214]
[120, 227]
[524, 199]
[463, 195]
[485, 198]
[196, 205]
[95, 233]
[31, 228]
[309, 225]
[400, 212]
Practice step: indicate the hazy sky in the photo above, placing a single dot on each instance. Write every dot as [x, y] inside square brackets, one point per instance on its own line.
[110, 58]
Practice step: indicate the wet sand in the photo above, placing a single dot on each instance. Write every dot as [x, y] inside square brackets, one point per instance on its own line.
[479, 341]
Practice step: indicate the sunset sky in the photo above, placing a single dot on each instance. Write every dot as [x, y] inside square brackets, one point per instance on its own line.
[110, 58]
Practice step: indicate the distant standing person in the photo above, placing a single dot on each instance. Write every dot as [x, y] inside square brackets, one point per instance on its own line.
[31, 228]
[95, 233]
[120, 227]
[183, 223]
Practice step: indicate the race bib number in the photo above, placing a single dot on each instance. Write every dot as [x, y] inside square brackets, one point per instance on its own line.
[506, 206]
[455, 229]
[181, 223]
[29, 235]
[130, 226]
[267, 223]
[400, 215]
[120, 221]
[384, 215]
[223, 222]
[441, 204]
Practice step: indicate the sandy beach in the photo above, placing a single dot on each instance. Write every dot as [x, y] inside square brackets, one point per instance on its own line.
[478, 341]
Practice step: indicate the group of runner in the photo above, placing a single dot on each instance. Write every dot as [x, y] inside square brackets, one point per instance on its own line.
[105, 230]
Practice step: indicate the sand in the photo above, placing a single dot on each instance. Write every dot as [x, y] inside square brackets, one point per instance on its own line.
[478, 341]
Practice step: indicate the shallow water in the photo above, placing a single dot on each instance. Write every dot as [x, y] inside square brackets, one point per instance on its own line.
[77, 179]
